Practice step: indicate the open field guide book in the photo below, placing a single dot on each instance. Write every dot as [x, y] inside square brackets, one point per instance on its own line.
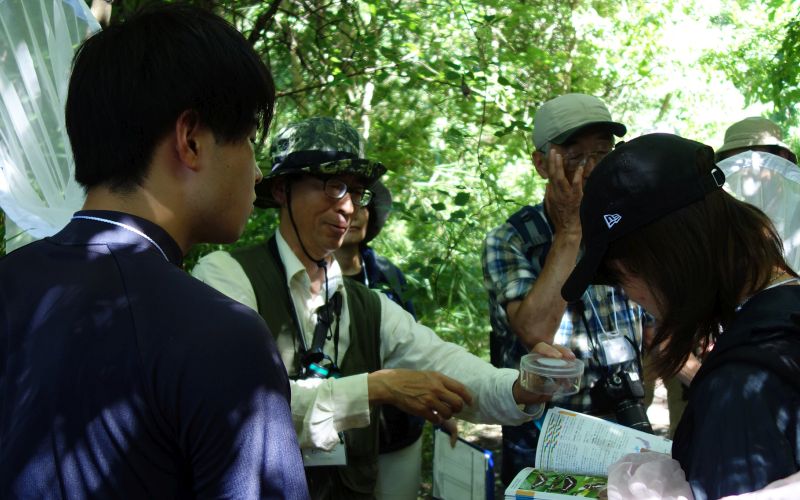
[573, 455]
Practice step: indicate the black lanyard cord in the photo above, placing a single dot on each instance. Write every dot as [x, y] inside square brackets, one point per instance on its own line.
[326, 315]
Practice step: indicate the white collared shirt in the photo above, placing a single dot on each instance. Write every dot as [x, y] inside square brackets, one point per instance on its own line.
[322, 408]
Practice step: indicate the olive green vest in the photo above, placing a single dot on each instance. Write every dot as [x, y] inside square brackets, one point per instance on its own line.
[261, 264]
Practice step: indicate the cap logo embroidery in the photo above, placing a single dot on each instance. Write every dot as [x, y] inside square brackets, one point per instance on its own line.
[612, 219]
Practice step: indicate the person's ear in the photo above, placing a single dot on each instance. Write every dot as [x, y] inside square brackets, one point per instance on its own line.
[279, 188]
[187, 137]
[539, 162]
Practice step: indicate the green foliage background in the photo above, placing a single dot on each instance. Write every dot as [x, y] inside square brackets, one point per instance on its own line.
[445, 90]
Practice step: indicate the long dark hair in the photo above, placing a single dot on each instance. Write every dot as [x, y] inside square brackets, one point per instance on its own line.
[700, 261]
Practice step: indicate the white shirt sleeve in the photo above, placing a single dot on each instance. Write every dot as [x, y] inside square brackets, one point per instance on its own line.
[320, 408]
[323, 408]
[408, 344]
[221, 271]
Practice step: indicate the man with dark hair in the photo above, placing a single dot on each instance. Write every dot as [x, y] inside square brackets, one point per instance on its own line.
[123, 376]
[349, 348]
[526, 260]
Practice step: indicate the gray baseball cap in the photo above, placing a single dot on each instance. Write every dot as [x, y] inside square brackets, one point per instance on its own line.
[558, 119]
[753, 131]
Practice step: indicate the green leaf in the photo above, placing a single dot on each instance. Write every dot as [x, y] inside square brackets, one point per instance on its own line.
[461, 199]
[452, 76]
[458, 215]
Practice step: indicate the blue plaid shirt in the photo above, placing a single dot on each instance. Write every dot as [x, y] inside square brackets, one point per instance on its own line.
[509, 274]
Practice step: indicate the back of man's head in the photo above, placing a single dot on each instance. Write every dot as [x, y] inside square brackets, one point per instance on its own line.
[131, 81]
[558, 119]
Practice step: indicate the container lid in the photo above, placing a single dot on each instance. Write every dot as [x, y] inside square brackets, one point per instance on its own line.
[551, 367]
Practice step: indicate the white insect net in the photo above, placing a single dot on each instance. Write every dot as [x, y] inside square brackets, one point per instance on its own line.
[38, 192]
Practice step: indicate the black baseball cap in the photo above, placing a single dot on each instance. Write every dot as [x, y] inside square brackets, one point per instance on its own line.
[639, 182]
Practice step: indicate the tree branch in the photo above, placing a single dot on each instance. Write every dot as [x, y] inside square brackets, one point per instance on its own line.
[263, 22]
[360, 72]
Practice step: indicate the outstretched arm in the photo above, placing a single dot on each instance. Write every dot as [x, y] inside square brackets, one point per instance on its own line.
[494, 394]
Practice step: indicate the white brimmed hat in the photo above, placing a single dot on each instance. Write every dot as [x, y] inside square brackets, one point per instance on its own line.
[754, 131]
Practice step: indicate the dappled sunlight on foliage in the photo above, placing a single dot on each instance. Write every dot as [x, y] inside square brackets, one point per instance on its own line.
[445, 93]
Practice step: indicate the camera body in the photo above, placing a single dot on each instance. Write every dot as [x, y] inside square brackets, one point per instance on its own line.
[622, 392]
[315, 364]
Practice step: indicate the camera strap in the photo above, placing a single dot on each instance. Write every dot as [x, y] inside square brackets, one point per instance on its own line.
[589, 331]
[615, 347]
[326, 315]
[308, 359]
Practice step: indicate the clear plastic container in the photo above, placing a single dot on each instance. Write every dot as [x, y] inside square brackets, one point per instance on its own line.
[550, 376]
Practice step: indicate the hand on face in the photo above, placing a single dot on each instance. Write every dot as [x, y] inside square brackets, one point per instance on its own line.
[564, 191]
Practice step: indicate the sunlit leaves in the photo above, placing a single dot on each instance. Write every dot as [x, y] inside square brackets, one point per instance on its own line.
[452, 90]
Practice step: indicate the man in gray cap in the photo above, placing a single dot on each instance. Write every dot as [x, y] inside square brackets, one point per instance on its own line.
[755, 134]
[526, 261]
[347, 349]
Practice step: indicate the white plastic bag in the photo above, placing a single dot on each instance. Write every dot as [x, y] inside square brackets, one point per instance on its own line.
[772, 184]
[38, 191]
[647, 476]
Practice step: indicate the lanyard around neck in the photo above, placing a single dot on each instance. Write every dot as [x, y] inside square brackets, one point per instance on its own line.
[126, 227]
[272, 245]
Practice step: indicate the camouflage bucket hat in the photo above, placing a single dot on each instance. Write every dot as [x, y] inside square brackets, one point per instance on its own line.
[324, 146]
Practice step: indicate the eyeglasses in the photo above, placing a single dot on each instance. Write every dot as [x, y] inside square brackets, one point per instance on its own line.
[580, 158]
[336, 188]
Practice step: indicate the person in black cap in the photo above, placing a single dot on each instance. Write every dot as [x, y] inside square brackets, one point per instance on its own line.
[710, 268]
[359, 261]
[348, 349]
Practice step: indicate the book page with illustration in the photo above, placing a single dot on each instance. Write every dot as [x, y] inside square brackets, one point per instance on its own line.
[574, 443]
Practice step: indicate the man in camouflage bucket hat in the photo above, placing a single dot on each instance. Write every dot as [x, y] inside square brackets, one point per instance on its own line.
[348, 349]
[322, 146]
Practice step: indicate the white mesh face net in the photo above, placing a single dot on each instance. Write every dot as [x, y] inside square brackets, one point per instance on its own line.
[38, 192]
[772, 184]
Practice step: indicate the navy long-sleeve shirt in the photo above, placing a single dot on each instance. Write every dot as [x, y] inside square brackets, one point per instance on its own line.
[741, 429]
[122, 376]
